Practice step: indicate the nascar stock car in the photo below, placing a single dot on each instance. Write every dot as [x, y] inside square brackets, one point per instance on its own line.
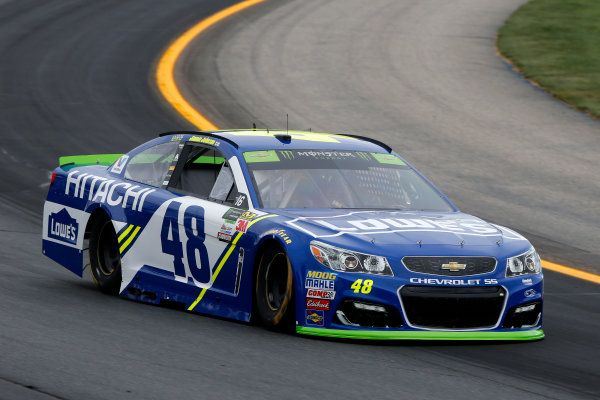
[330, 235]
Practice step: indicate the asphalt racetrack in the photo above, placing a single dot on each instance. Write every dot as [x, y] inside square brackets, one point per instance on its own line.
[77, 77]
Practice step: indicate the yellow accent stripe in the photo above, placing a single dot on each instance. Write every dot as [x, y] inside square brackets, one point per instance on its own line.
[167, 86]
[125, 233]
[571, 271]
[128, 241]
[166, 65]
[225, 258]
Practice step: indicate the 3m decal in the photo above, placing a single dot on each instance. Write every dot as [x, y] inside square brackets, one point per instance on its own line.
[362, 286]
[118, 166]
[315, 317]
[241, 225]
[197, 266]
[103, 190]
[62, 226]
[320, 294]
[317, 304]
[456, 282]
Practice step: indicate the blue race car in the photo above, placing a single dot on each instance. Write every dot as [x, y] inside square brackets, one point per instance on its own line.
[330, 235]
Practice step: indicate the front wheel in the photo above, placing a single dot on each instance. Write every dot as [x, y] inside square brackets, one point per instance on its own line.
[274, 289]
[105, 258]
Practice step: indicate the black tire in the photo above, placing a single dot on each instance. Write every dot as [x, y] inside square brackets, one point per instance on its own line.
[105, 258]
[274, 290]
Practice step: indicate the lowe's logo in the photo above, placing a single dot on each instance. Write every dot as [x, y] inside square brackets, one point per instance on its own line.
[62, 227]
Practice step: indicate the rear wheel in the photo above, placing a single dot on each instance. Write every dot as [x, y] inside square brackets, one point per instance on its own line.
[274, 289]
[105, 258]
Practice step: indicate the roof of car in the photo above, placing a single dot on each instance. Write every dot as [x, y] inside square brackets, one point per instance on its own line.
[250, 140]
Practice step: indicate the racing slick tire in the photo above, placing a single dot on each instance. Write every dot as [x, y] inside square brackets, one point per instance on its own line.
[274, 290]
[105, 258]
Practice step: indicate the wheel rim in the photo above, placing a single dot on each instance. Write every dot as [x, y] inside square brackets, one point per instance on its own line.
[109, 258]
[276, 281]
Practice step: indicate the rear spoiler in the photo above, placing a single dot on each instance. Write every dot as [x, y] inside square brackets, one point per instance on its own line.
[92, 159]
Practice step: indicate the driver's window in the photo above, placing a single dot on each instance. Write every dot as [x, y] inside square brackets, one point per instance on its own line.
[204, 173]
[151, 165]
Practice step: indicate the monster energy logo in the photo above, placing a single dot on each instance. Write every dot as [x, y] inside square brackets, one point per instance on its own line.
[289, 155]
[364, 156]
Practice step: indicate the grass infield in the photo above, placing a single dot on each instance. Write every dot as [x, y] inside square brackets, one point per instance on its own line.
[556, 43]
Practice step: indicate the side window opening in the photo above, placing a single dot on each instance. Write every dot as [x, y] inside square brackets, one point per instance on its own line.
[205, 173]
[151, 165]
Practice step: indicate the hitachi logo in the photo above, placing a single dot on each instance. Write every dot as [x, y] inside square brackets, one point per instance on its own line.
[103, 190]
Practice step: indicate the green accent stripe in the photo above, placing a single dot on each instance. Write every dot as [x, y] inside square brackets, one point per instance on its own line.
[100, 159]
[421, 335]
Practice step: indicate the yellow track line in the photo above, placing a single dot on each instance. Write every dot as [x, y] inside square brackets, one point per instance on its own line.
[167, 86]
[166, 66]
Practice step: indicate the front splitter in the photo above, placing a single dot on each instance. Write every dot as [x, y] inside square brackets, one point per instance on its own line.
[420, 335]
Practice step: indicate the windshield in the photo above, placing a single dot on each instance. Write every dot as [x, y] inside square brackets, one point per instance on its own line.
[339, 179]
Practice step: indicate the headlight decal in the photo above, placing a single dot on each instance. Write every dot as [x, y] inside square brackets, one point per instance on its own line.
[527, 263]
[339, 259]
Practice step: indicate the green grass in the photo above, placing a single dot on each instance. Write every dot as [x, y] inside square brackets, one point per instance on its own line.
[556, 43]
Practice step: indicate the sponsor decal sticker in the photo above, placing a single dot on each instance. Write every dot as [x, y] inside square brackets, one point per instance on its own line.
[326, 155]
[232, 215]
[119, 164]
[315, 317]
[320, 294]
[96, 188]
[454, 266]
[388, 159]
[176, 138]
[205, 140]
[281, 233]
[63, 227]
[530, 293]
[527, 281]
[317, 304]
[240, 201]
[455, 282]
[261, 156]
[321, 275]
[224, 237]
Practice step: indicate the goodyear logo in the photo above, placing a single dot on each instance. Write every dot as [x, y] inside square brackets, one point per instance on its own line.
[63, 227]
[315, 317]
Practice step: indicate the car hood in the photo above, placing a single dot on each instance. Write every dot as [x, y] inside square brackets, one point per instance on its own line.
[394, 228]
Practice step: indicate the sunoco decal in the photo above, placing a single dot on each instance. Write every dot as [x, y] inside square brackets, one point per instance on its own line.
[315, 317]
[63, 227]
